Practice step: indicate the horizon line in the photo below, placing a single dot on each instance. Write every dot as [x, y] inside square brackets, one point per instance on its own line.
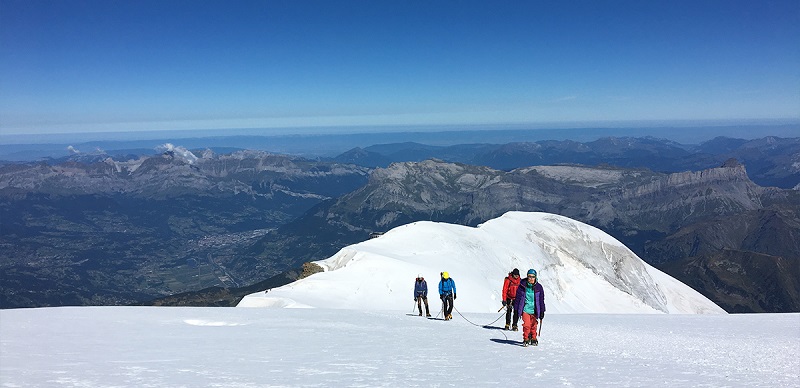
[433, 127]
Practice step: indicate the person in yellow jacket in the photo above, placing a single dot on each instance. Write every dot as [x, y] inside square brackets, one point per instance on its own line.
[447, 293]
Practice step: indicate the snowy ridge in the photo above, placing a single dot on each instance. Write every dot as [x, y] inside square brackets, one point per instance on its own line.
[582, 269]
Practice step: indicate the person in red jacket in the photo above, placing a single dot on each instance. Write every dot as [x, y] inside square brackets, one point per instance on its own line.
[510, 285]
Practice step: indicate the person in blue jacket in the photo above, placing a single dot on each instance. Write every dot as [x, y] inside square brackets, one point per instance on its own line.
[447, 293]
[530, 305]
[421, 294]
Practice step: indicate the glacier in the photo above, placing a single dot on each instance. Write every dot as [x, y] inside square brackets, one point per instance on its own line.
[582, 270]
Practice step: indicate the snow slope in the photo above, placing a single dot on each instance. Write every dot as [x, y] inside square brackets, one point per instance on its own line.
[235, 347]
[582, 269]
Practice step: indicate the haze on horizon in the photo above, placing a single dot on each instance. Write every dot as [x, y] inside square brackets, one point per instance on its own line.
[97, 66]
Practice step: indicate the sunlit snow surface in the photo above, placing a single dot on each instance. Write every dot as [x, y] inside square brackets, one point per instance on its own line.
[582, 270]
[236, 347]
[362, 331]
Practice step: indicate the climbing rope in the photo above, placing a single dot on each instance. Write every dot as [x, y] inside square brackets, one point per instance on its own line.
[475, 324]
[488, 324]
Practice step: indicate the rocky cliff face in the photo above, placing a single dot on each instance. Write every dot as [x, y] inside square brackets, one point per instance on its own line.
[667, 202]
[605, 196]
[645, 210]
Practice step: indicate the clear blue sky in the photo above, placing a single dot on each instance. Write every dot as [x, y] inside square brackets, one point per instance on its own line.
[82, 66]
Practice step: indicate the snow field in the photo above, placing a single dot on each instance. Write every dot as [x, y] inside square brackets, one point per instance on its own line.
[235, 347]
[582, 270]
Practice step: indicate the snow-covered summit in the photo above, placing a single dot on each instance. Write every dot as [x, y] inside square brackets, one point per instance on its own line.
[582, 270]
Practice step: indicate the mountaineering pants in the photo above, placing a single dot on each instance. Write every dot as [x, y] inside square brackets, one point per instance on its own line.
[529, 325]
[447, 304]
[509, 310]
[421, 299]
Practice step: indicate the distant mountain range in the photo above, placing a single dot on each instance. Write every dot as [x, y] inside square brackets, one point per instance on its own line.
[770, 161]
[654, 214]
[97, 229]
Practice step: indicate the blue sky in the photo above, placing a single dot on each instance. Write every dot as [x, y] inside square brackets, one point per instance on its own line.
[84, 66]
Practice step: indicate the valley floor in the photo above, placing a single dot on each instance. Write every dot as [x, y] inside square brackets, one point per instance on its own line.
[253, 347]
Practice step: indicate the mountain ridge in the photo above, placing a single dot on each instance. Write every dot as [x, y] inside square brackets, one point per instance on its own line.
[772, 161]
[582, 269]
[656, 206]
[185, 220]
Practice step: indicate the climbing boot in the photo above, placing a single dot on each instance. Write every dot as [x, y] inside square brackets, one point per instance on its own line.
[507, 327]
[533, 341]
[514, 328]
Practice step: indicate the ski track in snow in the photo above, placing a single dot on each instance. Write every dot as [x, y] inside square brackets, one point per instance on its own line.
[235, 347]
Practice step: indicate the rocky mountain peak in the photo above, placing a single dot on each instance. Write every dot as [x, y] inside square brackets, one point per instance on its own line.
[434, 175]
[731, 163]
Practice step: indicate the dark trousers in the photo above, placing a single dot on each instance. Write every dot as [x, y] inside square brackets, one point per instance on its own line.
[421, 299]
[511, 311]
[447, 304]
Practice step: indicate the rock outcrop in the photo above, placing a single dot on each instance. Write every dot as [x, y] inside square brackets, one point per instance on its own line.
[654, 214]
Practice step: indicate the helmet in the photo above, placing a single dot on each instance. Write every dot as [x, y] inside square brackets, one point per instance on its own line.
[532, 272]
[445, 275]
[419, 276]
[515, 272]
